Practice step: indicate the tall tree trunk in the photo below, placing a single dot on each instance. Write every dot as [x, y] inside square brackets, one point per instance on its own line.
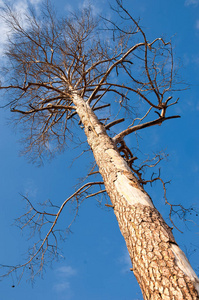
[161, 268]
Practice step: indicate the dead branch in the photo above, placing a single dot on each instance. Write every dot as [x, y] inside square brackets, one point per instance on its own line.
[95, 194]
[109, 125]
[101, 106]
[37, 219]
[142, 126]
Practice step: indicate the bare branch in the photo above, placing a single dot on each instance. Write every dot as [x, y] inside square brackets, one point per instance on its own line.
[102, 106]
[97, 193]
[142, 126]
[40, 221]
[114, 123]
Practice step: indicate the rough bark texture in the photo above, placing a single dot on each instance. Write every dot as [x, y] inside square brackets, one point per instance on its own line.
[161, 268]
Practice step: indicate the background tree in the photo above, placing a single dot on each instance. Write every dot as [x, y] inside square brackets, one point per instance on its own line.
[61, 69]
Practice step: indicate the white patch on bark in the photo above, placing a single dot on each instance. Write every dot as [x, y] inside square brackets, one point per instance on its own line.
[118, 161]
[86, 114]
[183, 263]
[98, 129]
[131, 194]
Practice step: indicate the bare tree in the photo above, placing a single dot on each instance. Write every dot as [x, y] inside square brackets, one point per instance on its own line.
[61, 72]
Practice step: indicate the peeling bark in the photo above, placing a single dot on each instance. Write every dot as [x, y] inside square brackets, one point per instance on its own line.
[161, 268]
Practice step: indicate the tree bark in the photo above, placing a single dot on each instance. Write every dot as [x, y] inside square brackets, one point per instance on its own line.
[161, 268]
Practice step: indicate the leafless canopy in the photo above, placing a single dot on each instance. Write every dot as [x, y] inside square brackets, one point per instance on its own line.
[108, 63]
[48, 56]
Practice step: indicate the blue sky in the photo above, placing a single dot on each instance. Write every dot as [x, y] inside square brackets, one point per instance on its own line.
[96, 264]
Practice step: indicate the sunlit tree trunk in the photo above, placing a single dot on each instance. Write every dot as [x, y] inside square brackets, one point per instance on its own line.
[161, 268]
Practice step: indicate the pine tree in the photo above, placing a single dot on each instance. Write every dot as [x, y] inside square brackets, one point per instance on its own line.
[61, 72]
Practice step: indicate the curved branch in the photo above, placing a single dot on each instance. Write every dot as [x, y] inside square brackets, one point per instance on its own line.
[48, 107]
[111, 68]
[127, 131]
[45, 240]
[109, 125]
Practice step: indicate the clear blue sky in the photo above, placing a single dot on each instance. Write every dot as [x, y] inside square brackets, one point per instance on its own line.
[96, 264]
